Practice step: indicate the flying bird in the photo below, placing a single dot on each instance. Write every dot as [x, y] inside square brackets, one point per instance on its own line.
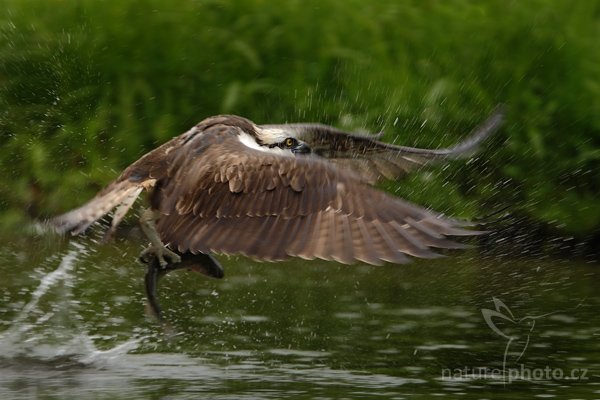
[271, 192]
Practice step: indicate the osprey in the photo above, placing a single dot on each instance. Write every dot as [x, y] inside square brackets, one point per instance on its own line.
[271, 192]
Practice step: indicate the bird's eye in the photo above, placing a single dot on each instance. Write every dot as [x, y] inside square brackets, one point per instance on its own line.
[290, 142]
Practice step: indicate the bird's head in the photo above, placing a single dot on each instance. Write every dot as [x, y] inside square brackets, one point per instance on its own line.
[275, 138]
[280, 141]
[264, 138]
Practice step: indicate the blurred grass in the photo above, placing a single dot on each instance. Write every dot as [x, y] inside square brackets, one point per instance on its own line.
[88, 86]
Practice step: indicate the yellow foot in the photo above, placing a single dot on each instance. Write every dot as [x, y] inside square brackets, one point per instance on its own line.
[162, 253]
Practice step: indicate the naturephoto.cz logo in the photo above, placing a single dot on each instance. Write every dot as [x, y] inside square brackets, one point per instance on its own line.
[510, 375]
[516, 332]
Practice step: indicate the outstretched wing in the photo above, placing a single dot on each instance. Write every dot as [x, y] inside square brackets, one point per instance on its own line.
[222, 196]
[119, 194]
[373, 159]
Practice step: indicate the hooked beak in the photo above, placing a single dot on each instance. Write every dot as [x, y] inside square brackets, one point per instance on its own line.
[302, 148]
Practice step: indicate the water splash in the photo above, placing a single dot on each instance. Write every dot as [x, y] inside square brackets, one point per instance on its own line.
[57, 334]
[62, 273]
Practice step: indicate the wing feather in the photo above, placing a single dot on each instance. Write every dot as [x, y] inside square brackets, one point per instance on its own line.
[373, 159]
[230, 198]
[113, 196]
[215, 194]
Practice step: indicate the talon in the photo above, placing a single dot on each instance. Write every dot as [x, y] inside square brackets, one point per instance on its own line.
[162, 253]
[145, 258]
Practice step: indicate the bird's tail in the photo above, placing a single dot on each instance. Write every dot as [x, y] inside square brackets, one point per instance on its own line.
[121, 194]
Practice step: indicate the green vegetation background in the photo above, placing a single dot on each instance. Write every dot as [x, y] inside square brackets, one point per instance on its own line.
[88, 86]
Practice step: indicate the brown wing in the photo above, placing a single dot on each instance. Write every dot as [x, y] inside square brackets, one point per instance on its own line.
[373, 159]
[114, 195]
[120, 194]
[221, 196]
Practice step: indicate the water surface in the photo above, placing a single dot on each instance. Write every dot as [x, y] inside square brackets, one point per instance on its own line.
[72, 325]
